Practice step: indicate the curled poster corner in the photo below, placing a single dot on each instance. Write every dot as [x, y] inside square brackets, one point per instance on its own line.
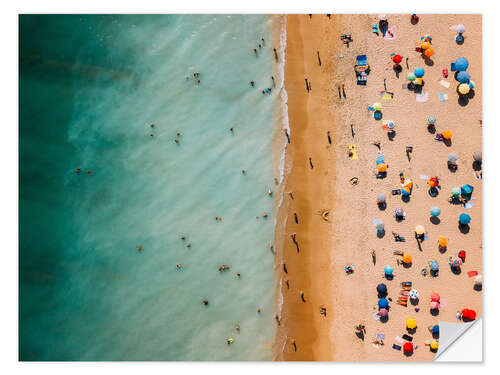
[460, 342]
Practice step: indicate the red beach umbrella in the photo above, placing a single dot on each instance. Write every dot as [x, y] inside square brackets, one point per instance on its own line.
[468, 314]
[408, 347]
[397, 59]
[435, 297]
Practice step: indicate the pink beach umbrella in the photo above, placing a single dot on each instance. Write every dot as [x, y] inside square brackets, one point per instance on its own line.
[383, 313]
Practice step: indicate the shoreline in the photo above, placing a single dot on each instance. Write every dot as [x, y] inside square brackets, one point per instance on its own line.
[308, 125]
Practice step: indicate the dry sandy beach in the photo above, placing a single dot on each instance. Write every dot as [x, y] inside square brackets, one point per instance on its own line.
[349, 236]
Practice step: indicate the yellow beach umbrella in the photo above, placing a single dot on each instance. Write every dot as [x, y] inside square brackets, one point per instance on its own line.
[419, 229]
[377, 106]
[434, 345]
[407, 259]
[408, 183]
[411, 323]
[418, 81]
[463, 88]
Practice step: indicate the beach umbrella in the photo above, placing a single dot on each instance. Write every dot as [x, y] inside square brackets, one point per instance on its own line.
[413, 294]
[381, 198]
[411, 323]
[435, 329]
[433, 182]
[399, 212]
[463, 77]
[405, 191]
[380, 227]
[464, 219]
[391, 124]
[460, 29]
[377, 106]
[478, 279]
[431, 120]
[377, 115]
[472, 84]
[478, 156]
[388, 270]
[383, 17]
[419, 72]
[383, 303]
[434, 345]
[435, 211]
[429, 52]
[442, 242]
[425, 45]
[455, 192]
[383, 313]
[468, 314]
[447, 134]
[435, 297]
[407, 259]
[381, 288]
[466, 189]
[434, 305]
[434, 265]
[455, 262]
[382, 167]
[461, 64]
[397, 59]
[419, 229]
[452, 158]
[408, 347]
[463, 88]
[411, 77]
[408, 183]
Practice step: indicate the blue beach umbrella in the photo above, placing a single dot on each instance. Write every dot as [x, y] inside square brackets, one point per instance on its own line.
[431, 120]
[435, 329]
[388, 270]
[463, 77]
[466, 189]
[383, 303]
[381, 288]
[464, 219]
[419, 72]
[461, 64]
[434, 265]
[435, 211]
[377, 115]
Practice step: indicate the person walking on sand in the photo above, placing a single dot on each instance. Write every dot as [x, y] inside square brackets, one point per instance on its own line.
[274, 83]
[329, 138]
[275, 54]
[287, 136]
[311, 163]
[284, 268]
[294, 344]
[278, 320]
[287, 284]
[296, 218]
[302, 296]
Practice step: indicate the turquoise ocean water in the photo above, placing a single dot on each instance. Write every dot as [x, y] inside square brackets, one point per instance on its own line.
[89, 88]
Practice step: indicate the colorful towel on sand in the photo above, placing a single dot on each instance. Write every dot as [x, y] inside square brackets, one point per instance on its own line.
[391, 33]
[353, 153]
[386, 95]
[443, 97]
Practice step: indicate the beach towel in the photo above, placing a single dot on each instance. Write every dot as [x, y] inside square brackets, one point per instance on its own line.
[353, 153]
[380, 159]
[472, 273]
[444, 83]
[423, 97]
[443, 97]
[391, 33]
[386, 95]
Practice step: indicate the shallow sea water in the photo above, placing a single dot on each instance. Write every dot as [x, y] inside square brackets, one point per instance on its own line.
[89, 88]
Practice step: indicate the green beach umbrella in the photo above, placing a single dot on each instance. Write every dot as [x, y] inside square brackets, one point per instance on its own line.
[411, 77]
[455, 192]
